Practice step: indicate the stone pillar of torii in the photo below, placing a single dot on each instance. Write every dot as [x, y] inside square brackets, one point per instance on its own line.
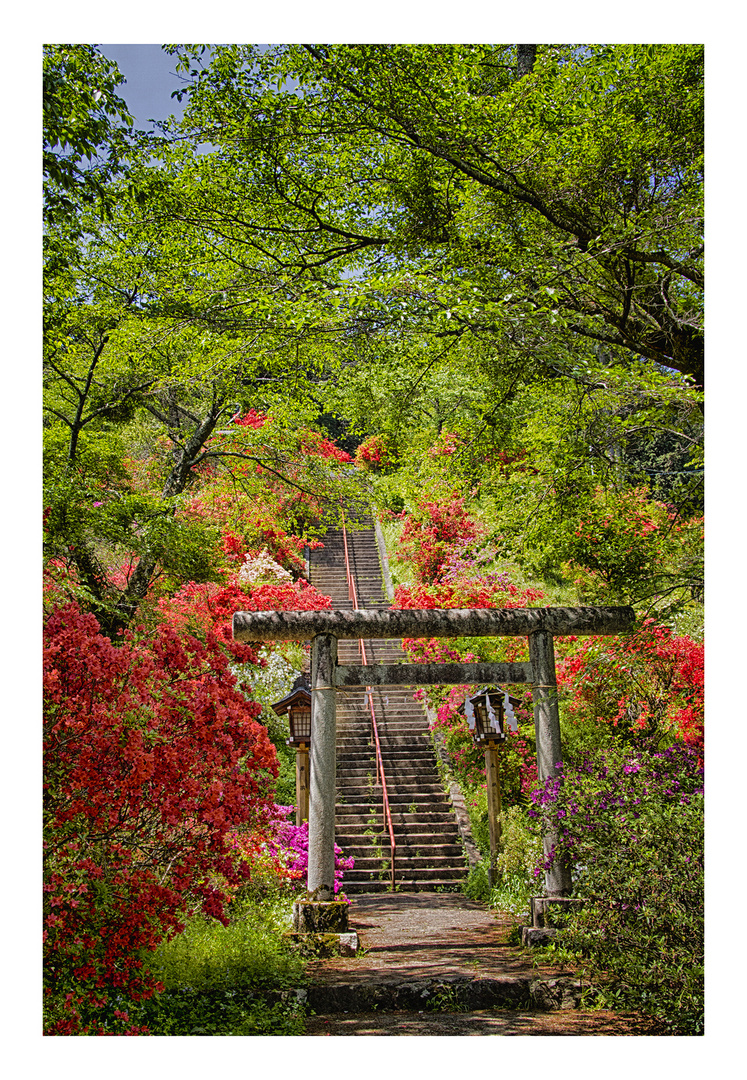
[325, 628]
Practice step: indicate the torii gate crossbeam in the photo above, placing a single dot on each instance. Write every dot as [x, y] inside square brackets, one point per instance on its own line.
[325, 628]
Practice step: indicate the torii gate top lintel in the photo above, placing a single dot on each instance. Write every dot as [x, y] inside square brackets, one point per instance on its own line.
[430, 622]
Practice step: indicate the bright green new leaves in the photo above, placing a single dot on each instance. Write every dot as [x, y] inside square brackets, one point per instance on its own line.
[86, 124]
[569, 201]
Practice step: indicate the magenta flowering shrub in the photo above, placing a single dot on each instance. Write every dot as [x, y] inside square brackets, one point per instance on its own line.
[630, 823]
[289, 844]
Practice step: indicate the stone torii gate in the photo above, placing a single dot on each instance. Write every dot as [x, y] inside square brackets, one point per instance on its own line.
[325, 628]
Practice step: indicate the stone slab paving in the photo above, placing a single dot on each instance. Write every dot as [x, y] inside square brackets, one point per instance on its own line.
[439, 964]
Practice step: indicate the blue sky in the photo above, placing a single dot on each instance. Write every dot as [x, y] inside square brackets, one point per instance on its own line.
[150, 81]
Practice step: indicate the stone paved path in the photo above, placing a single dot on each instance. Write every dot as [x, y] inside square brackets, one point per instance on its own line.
[439, 964]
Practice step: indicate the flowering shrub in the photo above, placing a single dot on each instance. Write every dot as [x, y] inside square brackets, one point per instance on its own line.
[312, 442]
[445, 445]
[648, 685]
[434, 534]
[252, 419]
[151, 758]
[631, 826]
[462, 581]
[289, 845]
[208, 609]
[262, 567]
[622, 538]
[254, 532]
[375, 453]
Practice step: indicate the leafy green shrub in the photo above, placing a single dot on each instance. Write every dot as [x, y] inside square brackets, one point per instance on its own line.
[477, 885]
[249, 952]
[222, 1012]
[631, 824]
[520, 850]
[476, 803]
[230, 980]
[521, 845]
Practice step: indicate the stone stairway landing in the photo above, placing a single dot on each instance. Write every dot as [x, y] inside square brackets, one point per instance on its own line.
[429, 854]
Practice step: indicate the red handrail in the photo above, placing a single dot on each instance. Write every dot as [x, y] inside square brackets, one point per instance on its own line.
[380, 777]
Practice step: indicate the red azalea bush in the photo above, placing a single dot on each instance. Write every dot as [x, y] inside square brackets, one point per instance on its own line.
[648, 685]
[445, 445]
[314, 443]
[246, 525]
[209, 608]
[375, 453]
[151, 758]
[436, 531]
[624, 537]
[438, 544]
[252, 419]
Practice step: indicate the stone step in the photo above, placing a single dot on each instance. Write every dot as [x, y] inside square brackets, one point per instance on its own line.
[416, 796]
[409, 771]
[404, 872]
[442, 829]
[347, 817]
[392, 719]
[355, 717]
[426, 774]
[354, 740]
[416, 833]
[391, 747]
[428, 864]
[448, 851]
[413, 797]
[423, 781]
[402, 885]
[430, 809]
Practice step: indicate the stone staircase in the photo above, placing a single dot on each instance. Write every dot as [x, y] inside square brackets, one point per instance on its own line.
[429, 855]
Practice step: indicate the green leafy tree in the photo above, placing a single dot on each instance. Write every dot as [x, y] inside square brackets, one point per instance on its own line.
[86, 128]
[143, 377]
[527, 203]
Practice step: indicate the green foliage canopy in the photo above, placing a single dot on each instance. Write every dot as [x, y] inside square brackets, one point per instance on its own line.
[568, 200]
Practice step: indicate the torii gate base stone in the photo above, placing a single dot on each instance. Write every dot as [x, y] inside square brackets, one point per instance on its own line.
[325, 628]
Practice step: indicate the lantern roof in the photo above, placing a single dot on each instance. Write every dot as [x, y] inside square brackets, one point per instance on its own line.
[299, 695]
[490, 690]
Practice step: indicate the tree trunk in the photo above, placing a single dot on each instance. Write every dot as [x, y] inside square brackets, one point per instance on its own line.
[525, 57]
[176, 482]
